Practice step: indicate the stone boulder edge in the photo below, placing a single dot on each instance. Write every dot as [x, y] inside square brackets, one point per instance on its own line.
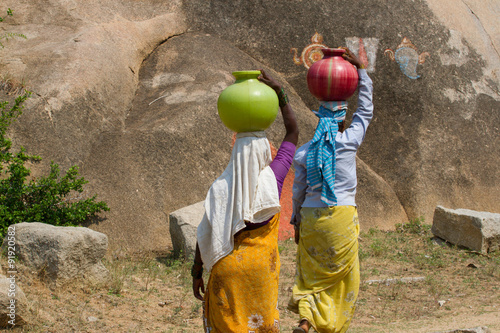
[61, 254]
[12, 310]
[478, 231]
[183, 229]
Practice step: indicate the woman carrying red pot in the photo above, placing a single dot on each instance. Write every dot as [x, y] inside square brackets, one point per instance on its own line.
[325, 214]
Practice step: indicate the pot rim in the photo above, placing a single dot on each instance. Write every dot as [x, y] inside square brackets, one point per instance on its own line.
[249, 74]
[332, 52]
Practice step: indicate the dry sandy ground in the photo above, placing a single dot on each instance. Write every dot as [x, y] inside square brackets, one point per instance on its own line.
[152, 293]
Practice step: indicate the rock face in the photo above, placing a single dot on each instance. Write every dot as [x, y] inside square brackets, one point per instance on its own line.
[13, 303]
[127, 90]
[479, 231]
[183, 226]
[378, 204]
[61, 254]
[82, 62]
[172, 145]
[435, 136]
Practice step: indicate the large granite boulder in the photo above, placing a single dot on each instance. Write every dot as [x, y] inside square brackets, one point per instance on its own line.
[13, 302]
[128, 92]
[61, 254]
[478, 231]
[183, 227]
[82, 61]
[175, 144]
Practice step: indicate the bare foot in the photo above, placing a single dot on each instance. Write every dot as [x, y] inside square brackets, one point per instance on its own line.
[303, 327]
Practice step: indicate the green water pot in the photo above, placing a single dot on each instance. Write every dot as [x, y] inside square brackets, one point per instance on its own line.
[247, 105]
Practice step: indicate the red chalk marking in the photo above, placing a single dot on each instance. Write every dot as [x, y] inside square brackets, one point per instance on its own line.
[285, 229]
[362, 53]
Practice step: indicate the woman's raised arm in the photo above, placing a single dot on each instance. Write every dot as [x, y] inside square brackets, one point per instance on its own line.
[291, 127]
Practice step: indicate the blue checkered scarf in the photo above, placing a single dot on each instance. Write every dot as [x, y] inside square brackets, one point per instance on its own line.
[321, 157]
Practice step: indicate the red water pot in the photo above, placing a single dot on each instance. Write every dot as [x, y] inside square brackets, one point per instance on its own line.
[332, 78]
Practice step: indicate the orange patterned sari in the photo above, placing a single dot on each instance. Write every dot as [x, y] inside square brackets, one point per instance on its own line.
[242, 291]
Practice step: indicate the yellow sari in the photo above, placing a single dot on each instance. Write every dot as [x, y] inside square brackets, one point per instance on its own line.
[327, 281]
[242, 291]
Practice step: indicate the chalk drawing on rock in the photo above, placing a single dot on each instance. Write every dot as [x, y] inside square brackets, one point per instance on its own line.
[407, 57]
[311, 53]
[458, 54]
[365, 49]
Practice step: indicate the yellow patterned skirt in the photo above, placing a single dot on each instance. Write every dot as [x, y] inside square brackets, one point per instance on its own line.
[242, 291]
[327, 281]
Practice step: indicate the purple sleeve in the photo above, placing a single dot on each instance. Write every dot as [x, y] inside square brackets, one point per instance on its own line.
[280, 166]
[282, 162]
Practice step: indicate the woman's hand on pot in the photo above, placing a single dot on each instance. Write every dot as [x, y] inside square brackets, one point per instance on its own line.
[349, 56]
[265, 78]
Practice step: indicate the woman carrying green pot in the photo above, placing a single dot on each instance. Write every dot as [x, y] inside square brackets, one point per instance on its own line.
[237, 238]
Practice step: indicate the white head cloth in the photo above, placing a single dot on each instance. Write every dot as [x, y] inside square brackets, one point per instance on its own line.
[246, 191]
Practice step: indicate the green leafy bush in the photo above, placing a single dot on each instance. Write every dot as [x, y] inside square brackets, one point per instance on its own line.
[49, 199]
[52, 199]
